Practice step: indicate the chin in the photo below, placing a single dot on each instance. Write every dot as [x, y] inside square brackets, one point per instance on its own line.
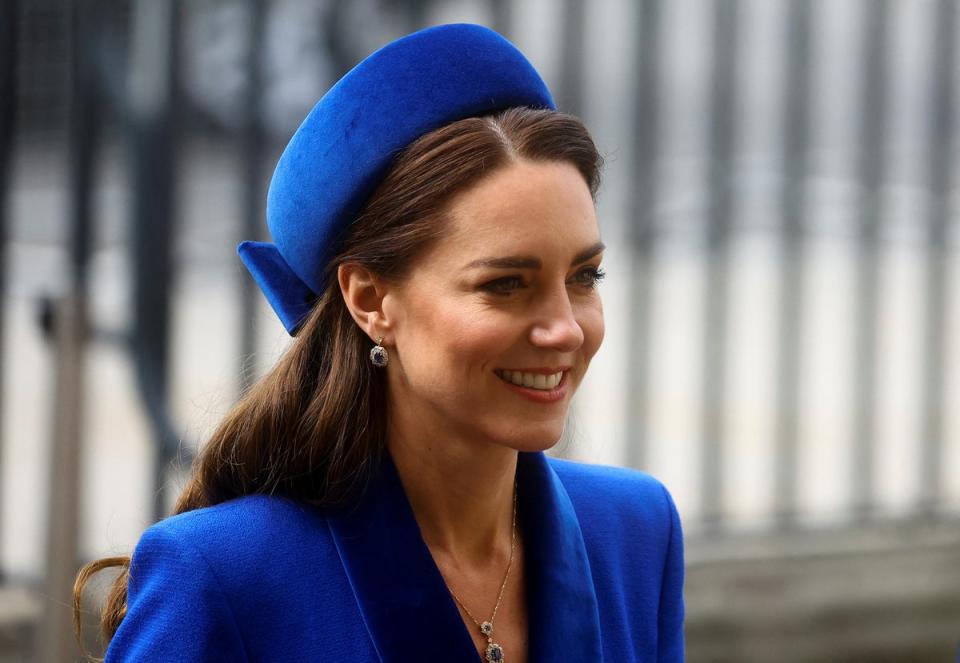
[532, 437]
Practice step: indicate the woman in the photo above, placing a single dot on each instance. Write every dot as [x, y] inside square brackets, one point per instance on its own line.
[382, 494]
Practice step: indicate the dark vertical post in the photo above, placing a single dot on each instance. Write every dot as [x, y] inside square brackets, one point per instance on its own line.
[500, 17]
[942, 134]
[253, 204]
[8, 111]
[153, 141]
[570, 97]
[417, 13]
[792, 250]
[56, 641]
[723, 87]
[643, 226]
[872, 170]
[337, 39]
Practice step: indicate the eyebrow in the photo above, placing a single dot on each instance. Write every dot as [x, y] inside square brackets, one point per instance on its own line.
[530, 262]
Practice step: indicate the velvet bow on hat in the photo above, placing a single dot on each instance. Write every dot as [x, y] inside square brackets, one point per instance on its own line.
[349, 139]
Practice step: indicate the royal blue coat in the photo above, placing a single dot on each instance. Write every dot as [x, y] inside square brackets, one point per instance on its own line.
[272, 579]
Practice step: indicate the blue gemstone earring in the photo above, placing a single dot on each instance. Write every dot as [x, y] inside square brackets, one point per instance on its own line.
[378, 354]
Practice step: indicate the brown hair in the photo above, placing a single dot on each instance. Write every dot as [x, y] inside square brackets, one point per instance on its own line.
[314, 426]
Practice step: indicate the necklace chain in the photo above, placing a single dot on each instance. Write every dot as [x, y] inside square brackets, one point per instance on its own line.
[488, 632]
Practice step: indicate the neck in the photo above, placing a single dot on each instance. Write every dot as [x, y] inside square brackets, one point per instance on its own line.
[461, 494]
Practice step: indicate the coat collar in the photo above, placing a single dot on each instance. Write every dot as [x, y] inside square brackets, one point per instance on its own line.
[405, 602]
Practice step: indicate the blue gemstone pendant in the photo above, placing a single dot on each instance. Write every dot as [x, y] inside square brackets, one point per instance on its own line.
[494, 652]
[378, 356]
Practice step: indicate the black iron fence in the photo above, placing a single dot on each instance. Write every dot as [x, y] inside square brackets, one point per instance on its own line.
[792, 226]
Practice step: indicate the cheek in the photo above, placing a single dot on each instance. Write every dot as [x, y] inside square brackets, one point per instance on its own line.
[479, 332]
[455, 339]
[591, 322]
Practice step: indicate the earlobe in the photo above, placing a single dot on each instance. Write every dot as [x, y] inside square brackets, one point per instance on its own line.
[363, 295]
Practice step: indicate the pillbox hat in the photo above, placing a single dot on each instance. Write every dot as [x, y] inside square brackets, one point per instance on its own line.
[346, 144]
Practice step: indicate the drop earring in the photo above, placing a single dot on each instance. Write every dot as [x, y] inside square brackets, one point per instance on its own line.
[378, 354]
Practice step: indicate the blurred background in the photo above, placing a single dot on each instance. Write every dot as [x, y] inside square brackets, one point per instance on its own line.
[782, 299]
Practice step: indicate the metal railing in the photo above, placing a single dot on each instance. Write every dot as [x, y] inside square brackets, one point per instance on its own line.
[802, 21]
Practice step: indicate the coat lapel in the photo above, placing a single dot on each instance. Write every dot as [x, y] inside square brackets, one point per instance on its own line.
[564, 616]
[404, 600]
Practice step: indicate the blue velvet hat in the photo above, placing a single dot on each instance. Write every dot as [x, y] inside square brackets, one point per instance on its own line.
[347, 143]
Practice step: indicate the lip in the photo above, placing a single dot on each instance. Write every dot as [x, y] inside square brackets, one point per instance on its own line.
[558, 393]
[542, 370]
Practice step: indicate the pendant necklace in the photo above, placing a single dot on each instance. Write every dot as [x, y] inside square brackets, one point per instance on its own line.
[494, 652]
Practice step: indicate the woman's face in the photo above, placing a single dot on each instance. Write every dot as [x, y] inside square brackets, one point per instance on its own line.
[507, 296]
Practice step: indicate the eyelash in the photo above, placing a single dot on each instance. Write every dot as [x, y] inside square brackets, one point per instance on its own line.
[502, 286]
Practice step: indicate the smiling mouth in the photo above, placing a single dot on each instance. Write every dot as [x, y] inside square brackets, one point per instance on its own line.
[531, 380]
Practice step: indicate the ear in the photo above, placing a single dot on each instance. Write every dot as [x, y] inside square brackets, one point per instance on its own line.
[363, 292]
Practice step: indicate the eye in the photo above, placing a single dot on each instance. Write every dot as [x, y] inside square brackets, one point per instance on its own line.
[590, 276]
[504, 285]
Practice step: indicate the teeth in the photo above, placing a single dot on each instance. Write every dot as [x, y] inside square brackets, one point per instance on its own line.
[532, 380]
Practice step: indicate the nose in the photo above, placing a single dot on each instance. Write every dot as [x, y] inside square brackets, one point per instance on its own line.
[557, 327]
